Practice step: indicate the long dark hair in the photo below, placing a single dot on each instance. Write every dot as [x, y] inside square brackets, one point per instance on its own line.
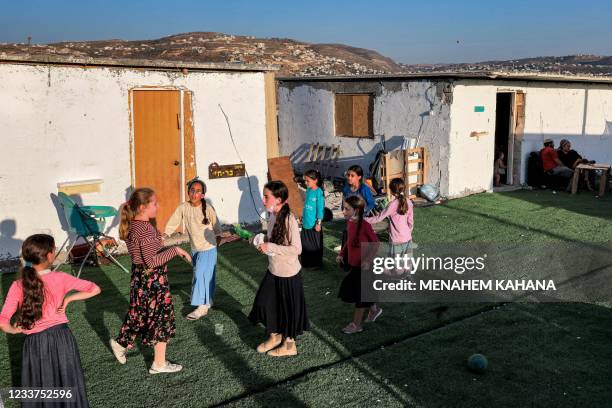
[398, 189]
[280, 231]
[358, 204]
[205, 221]
[129, 209]
[357, 170]
[34, 251]
[315, 175]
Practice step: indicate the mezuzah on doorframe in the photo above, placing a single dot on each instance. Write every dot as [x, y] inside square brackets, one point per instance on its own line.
[215, 170]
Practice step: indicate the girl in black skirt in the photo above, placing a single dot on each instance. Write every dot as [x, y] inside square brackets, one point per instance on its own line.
[358, 231]
[50, 357]
[279, 303]
[312, 217]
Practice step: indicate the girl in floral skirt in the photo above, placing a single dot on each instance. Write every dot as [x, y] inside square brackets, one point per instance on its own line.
[151, 313]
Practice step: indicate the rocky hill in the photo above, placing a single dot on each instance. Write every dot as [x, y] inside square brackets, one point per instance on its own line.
[297, 58]
[293, 57]
[589, 65]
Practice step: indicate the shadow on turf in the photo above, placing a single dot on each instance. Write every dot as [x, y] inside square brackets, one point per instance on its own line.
[14, 342]
[583, 203]
[111, 301]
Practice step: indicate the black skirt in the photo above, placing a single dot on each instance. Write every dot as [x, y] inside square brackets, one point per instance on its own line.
[350, 288]
[312, 248]
[280, 306]
[51, 359]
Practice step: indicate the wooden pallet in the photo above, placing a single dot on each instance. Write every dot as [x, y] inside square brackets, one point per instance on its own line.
[405, 164]
[323, 158]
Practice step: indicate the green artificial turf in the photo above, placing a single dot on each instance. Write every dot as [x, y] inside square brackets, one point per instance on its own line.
[414, 355]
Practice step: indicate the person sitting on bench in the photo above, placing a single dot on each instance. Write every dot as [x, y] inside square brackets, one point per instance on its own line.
[551, 163]
[570, 158]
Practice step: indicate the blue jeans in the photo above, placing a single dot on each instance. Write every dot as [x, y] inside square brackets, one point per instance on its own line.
[203, 285]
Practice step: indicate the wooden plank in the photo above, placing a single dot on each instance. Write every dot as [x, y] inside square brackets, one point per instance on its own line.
[362, 115]
[280, 168]
[343, 114]
[190, 162]
[80, 187]
[575, 180]
[424, 165]
[272, 148]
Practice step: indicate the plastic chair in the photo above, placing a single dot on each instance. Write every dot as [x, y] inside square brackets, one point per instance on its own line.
[87, 222]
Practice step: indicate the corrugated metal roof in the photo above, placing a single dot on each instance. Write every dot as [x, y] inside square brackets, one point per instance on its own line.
[483, 75]
[156, 64]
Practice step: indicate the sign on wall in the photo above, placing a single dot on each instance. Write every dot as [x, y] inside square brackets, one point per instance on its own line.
[216, 171]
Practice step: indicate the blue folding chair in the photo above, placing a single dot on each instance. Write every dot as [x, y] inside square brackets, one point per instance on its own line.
[87, 222]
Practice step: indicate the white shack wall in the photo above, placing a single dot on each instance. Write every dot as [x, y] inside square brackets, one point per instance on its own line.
[413, 109]
[67, 124]
[581, 113]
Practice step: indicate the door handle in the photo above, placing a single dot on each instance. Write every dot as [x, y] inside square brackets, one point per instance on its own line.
[176, 162]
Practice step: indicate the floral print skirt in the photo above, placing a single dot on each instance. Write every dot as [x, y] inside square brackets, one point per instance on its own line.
[151, 312]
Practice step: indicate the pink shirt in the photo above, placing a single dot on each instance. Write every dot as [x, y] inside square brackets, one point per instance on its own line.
[56, 286]
[400, 226]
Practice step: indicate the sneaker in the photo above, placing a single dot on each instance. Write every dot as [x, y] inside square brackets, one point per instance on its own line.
[168, 367]
[119, 351]
[352, 328]
[373, 314]
[198, 312]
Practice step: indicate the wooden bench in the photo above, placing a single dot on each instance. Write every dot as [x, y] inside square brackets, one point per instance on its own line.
[603, 182]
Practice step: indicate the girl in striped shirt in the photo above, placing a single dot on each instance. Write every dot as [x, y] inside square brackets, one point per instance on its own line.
[151, 314]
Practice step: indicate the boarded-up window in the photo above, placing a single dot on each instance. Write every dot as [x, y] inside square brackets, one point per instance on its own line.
[353, 115]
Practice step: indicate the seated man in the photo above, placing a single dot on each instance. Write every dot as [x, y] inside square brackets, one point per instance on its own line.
[570, 158]
[551, 163]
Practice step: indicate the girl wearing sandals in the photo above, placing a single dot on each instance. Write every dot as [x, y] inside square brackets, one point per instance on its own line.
[151, 312]
[202, 226]
[279, 303]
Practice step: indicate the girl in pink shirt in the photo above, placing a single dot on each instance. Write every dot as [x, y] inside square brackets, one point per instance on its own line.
[400, 215]
[50, 356]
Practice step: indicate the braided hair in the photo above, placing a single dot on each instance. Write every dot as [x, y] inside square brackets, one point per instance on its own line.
[205, 221]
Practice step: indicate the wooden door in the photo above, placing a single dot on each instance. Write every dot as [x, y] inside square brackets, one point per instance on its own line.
[157, 147]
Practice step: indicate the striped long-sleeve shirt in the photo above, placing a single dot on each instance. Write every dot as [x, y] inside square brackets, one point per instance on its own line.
[144, 244]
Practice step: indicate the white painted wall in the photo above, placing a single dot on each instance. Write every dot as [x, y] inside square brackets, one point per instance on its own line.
[471, 159]
[306, 115]
[68, 123]
[552, 110]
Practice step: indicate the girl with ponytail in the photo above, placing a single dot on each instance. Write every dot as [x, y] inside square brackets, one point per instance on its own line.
[357, 232]
[202, 225]
[50, 356]
[279, 304]
[312, 218]
[400, 215]
[150, 316]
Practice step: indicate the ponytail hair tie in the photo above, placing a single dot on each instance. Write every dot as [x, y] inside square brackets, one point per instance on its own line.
[28, 264]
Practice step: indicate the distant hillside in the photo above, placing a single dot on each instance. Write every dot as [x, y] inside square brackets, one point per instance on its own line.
[298, 58]
[293, 57]
[567, 65]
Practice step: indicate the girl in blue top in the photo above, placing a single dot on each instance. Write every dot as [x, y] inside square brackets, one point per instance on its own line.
[312, 217]
[356, 187]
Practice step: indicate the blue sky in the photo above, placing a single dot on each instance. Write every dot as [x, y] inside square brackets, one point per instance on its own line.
[407, 31]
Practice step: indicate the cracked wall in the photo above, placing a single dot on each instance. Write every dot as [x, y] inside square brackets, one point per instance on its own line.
[62, 123]
[418, 109]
